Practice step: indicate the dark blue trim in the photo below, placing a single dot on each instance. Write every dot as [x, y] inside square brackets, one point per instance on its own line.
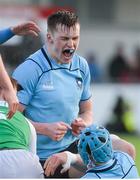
[46, 56]
[35, 62]
[127, 172]
[53, 69]
[102, 170]
[98, 176]
[85, 99]
[70, 66]
[23, 104]
[58, 69]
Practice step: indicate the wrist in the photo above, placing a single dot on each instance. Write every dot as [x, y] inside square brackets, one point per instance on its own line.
[11, 31]
[71, 158]
[41, 128]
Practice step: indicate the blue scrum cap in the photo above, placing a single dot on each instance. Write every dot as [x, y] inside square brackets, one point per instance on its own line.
[95, 144]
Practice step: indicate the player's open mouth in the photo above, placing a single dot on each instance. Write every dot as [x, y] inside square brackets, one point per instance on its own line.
[68, 52]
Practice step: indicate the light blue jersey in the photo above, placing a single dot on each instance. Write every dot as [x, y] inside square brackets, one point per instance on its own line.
[52, 93]
[122, 166]
[5, 34]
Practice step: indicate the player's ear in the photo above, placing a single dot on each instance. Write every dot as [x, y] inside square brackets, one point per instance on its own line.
[49, 37]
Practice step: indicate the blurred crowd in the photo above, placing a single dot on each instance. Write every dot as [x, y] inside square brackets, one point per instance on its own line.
[119, 68]
[122, 117]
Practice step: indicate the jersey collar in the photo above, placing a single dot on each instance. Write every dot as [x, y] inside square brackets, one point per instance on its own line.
[109, 165]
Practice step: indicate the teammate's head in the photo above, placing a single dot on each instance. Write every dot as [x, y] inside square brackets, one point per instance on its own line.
[95, 145]
[16, 86]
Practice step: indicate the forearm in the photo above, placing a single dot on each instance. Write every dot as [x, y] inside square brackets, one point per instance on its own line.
[4, 78]
[68, 161]
[40, 127]
[87, 117]
[55, 131]
[86, 112]
[78, 164]
[74, 164]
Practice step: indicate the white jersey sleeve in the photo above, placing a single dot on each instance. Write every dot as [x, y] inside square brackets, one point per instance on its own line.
[33, 138]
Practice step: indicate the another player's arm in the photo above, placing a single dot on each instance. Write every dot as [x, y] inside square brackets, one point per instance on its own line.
[68, 160]
[27, 28]
[123, 145]
[9, 93]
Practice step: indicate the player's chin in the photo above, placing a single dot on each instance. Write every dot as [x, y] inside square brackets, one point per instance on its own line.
[67, 59]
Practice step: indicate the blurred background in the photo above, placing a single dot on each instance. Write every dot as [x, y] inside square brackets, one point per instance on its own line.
[110, 41]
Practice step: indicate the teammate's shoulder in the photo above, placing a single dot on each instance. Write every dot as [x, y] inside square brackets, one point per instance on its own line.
[120, 155]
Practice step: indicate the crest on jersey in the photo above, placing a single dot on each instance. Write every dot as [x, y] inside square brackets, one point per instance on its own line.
[79, 82]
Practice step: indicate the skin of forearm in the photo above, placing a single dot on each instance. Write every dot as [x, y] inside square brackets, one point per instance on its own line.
[77, 169]
[87, 117]
[40, 127]
[86, 112]
[4, 78]
[79, 164]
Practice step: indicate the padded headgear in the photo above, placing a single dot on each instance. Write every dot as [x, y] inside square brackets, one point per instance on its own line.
[95, 144]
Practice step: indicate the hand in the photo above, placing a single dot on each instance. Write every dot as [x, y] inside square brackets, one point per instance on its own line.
[56, 131]
[28, 28]
[9, 95]
[53, 162]
[77, 125]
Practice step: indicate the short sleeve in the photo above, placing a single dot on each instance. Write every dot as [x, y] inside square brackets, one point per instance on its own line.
[86, 94]
[27, 75]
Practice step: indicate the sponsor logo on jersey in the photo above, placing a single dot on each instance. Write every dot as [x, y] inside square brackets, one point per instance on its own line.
[48, 86]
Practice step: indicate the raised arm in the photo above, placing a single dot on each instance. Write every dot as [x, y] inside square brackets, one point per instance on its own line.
[27, 28]
[8, 93]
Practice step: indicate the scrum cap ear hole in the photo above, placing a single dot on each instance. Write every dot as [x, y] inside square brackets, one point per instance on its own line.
[87, 133]
[88, 150]
[102, 139]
